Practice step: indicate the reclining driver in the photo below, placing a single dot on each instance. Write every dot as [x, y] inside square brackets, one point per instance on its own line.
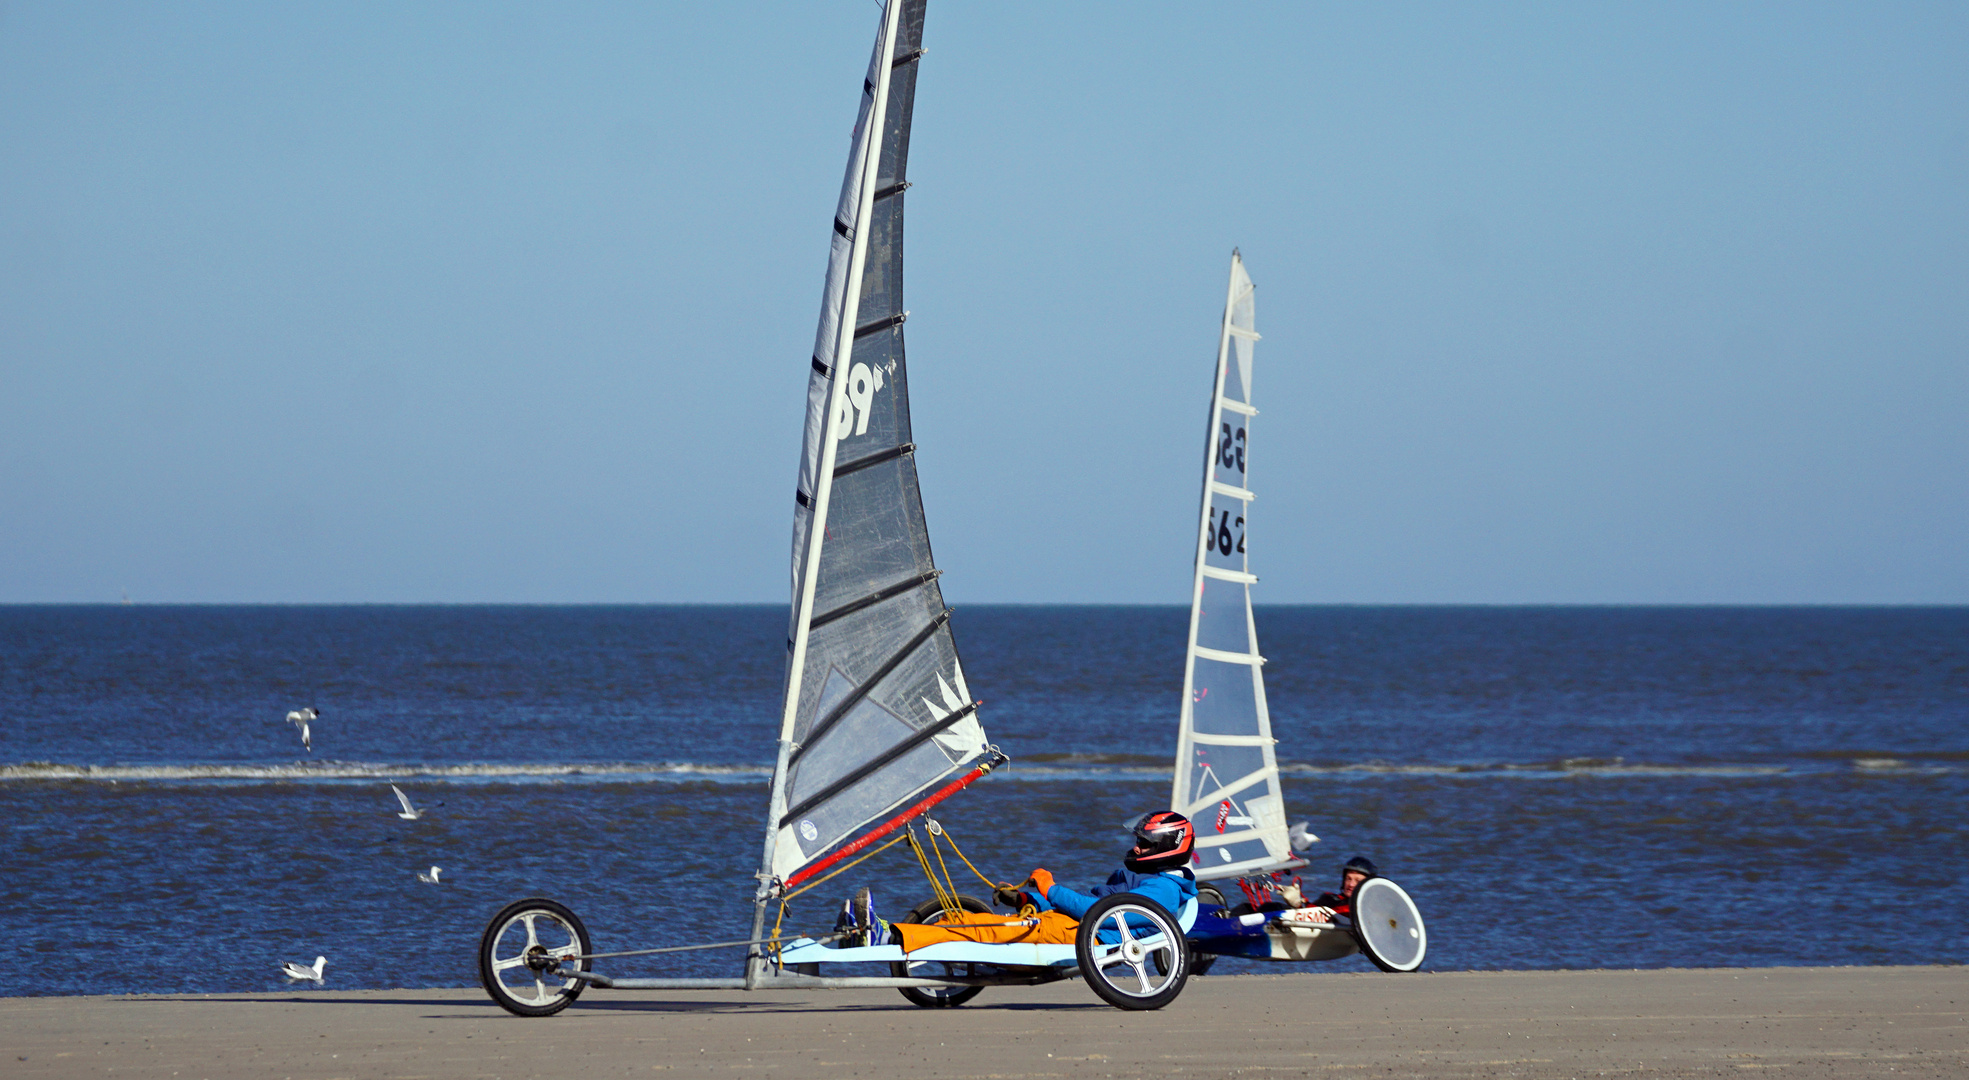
[1156, 868]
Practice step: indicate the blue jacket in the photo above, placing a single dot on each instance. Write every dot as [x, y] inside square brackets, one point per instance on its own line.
[1170, 888]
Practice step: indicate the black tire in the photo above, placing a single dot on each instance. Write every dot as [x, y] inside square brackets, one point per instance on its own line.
[1162, 949]
[1388, 926]
[930, 913]
[514, 947]
[1200, 963]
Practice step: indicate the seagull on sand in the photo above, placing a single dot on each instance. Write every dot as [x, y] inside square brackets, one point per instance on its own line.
[296, 972]
[432, 877]
[409, 812]
[301, 718]
[1302, 838]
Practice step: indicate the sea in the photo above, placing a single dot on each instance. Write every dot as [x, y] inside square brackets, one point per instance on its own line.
[1557, 787]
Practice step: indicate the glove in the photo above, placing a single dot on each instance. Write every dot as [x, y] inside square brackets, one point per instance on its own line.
[1042, 880]
[1008, 896]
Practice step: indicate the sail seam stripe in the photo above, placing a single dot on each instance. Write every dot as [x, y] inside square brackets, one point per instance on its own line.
[875, 598]
[876, 764]
[1226, 791]
[878, 458]
[1231, 740]
[1221, 574]
[1221, 656]
[855, 696]
[1248, 867]
[881, 324]
[1229, 837]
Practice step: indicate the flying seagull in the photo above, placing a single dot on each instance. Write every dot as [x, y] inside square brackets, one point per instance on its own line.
[409, 812]
[432, 877]
[296, 972]
[301, 718]
[1302, 838]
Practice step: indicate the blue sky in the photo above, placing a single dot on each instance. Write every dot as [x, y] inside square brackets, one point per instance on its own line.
[486, 302]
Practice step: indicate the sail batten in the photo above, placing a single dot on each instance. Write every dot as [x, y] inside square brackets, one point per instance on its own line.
[875, 708]
[1226, 776]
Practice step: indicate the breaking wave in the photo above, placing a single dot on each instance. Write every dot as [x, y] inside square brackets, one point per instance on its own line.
[312, 772]
[1039, 768]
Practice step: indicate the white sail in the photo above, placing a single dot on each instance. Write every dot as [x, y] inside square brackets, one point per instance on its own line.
[875, 707]
[1226, 773]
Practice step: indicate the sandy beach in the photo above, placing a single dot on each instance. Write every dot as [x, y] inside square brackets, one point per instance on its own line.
[1882, 1021]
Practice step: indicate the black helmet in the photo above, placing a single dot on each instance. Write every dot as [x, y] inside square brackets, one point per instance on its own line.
[1163, 841]
[1363, 864]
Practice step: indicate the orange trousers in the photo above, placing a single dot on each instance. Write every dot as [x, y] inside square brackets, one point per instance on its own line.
[1053, 929]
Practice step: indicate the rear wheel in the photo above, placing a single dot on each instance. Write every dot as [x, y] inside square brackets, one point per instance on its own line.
[1388, 926]
[930, 913]
[1132, 952]
[523, 948]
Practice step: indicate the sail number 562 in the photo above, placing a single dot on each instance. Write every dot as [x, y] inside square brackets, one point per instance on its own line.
[1224, 534]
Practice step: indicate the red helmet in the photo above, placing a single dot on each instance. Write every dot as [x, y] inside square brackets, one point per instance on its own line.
[1162, 842]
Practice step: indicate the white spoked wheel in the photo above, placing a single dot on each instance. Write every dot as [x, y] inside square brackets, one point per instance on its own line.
[1388, 926]
[524, 948]
[1132, 952]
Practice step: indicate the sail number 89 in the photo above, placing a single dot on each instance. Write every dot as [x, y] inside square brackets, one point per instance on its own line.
[1220, 535]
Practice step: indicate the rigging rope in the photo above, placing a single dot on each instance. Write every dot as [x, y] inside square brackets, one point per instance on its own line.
[781, 917]
[945, 889]
[959, 852]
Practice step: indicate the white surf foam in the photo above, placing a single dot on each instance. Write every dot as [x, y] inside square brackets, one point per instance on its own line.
[314, 772]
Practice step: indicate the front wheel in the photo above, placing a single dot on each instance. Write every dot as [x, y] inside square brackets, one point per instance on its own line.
[1132, 952]
[1388, 926]
[523, 948]
[930, 913]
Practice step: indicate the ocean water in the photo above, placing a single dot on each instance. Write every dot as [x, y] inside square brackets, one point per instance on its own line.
[1557, 787]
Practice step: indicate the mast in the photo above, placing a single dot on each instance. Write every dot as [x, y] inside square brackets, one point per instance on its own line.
[870, 151]
[1226, 775]
[876, 713]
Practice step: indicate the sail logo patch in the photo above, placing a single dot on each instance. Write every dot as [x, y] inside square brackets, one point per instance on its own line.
[855, 400]
[808, 832]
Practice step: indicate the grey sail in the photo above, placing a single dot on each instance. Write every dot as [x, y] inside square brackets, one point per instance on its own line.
[876, 709]
[1226, 776]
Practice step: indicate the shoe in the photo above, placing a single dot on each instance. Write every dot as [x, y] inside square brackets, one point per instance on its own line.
[859, 921]
[872, 928]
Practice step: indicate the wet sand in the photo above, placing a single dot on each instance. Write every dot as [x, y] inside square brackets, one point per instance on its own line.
[1830, 1022]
